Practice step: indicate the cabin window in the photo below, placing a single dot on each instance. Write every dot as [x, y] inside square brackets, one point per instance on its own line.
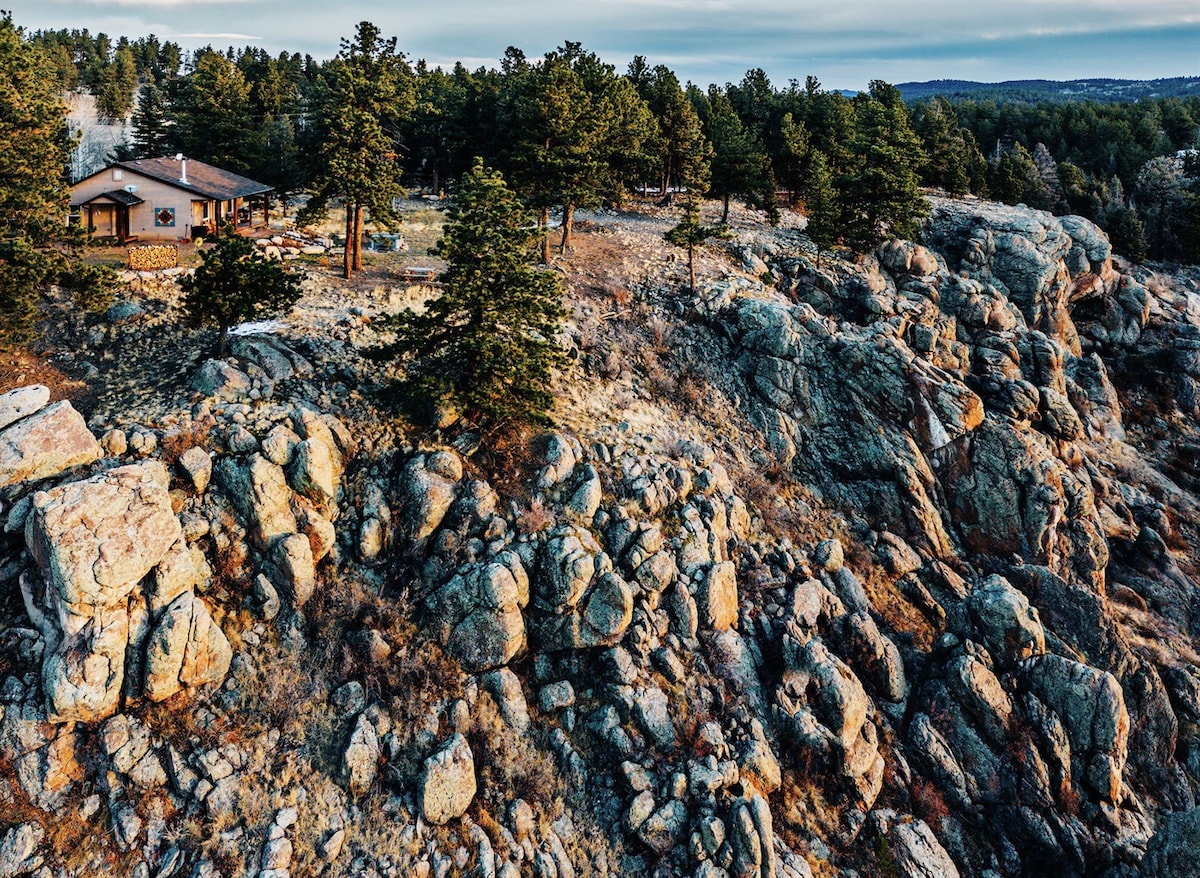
[118, 174]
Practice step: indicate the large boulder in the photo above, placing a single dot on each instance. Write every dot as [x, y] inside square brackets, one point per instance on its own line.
[44, 444]
[447, 783]
[1091, 705]
[22, 402]
[94, 540]
[428, 486]
[579, 601]
[83, 681]
[19, 854]
[1008, 626]
[717, 597]
[186, 649]
[1172, 851]
[477, 614]
[915, 850]
[259, 491]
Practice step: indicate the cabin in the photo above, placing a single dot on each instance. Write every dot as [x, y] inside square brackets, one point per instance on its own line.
[167, 199]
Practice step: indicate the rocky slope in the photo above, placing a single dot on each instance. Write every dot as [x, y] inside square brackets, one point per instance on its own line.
[874, 568]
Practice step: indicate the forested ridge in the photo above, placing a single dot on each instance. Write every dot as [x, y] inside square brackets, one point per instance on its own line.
[569, 130]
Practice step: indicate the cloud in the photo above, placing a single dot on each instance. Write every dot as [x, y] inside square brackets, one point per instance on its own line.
[216, 37]
[153, 4]
[845, 43]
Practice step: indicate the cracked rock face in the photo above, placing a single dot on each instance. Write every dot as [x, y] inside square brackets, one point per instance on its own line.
[94, 540]
[48, 442]
[447, 783]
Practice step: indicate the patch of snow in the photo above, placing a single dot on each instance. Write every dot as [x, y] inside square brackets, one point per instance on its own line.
[257, 327]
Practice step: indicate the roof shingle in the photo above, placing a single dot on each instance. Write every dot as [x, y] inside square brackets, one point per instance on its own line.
[202, 178]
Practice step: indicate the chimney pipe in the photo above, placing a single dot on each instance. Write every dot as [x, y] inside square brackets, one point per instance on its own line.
[183, 170]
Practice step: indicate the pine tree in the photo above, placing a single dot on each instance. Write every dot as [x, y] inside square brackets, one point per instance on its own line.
[364, 94]
[34, 146]
[821, 201]
[740, 165]
[151, 130]
[236, 283]
[882, 197]
[485, 348]
[211, 113]
[691, 232]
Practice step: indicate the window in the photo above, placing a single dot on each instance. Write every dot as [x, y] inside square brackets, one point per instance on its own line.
[118, 174]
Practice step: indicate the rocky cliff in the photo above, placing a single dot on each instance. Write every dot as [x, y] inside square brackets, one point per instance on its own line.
[839, 568]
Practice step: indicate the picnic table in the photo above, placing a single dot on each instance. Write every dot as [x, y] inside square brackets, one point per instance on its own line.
[423, 274]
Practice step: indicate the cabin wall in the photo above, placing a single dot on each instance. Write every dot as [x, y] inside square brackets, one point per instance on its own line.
[157, 198]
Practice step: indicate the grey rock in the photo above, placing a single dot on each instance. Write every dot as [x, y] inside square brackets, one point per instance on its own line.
[505, 688]
[196, 464]
[185, 649]
[1171, 852]
[447, 784]
[360, 760]
[427, 487]
[259, 491]
[556, 696]
[292, 569]
[22, 402]
[280, 444]
[717, 597]
[914, 848]
[95, 539]
[44, 444]
[1007, 624]
[829, 555]
[220, 380]
[19, 850]
[1091, 705]
[477, 614]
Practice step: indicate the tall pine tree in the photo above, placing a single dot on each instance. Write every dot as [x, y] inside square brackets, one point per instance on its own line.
[364, 94]
[34, 146]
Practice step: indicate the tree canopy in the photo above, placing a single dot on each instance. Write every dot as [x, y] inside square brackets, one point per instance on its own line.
[34, 148]
[486, 347]
[236, 283]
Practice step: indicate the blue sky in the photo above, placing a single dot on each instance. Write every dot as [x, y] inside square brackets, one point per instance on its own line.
[845, 43]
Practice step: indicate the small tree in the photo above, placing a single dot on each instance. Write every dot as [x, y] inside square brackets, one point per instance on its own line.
[485, 347]
[691, 231]
[821, 201]
[236, 283]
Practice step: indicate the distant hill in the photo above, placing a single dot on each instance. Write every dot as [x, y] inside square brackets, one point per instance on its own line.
[1040, 90]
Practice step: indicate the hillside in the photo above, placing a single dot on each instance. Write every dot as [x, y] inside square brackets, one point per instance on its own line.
[1045, 90]
[838, 568]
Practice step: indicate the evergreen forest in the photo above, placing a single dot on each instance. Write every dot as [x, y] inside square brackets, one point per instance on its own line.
[569, 130]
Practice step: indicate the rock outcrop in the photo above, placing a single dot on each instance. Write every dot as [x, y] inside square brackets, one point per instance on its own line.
[886, 568]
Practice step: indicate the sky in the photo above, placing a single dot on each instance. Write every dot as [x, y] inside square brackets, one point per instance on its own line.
[844, 43]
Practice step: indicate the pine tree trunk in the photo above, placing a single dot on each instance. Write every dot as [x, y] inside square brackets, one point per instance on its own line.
[348, 255]
[568, 221]
[544, 225]
[725, 211]
[358, 223]
[692, 268]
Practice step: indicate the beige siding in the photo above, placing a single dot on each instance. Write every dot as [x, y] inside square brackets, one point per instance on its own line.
[155, 196]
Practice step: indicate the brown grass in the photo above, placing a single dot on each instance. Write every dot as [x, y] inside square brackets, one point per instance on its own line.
[192, 434]
[20, 367]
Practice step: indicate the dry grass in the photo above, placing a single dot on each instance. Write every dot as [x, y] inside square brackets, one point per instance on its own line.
[20, 367]
[191, 434]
